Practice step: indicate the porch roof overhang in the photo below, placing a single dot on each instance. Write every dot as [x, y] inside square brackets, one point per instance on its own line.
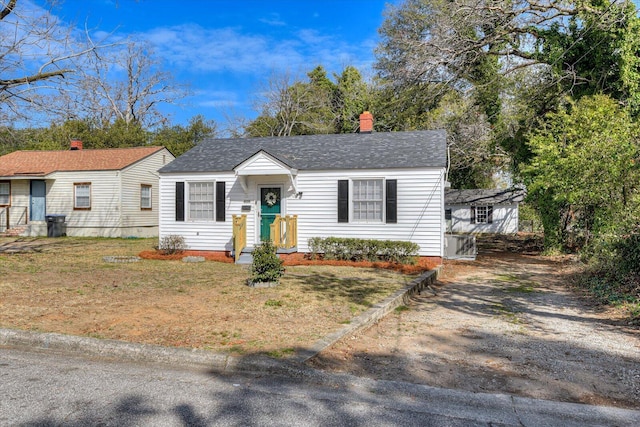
[261, 164]
[25, 175]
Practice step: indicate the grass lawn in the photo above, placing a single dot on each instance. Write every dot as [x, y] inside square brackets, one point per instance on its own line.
[65, 286]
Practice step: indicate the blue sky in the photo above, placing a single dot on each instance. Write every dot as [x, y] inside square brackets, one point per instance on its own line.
[225, 49]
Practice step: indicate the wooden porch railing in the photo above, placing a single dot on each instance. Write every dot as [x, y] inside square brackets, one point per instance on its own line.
[239, 235]
[284, 231]
[12, 216]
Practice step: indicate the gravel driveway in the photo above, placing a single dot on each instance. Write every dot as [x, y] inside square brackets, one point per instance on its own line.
[506, 323]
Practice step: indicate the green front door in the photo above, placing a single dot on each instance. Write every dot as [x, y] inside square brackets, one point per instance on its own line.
[269, 207]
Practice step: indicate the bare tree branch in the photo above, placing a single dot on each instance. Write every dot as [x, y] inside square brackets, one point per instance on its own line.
[7, 9]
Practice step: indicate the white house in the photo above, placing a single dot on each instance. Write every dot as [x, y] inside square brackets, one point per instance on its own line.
[482, 211]
[387, 186]
[107, 192]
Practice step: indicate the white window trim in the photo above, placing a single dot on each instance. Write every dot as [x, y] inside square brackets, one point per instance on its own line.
[188, 201]
[352, 201]
[485, 214]
[75, 196]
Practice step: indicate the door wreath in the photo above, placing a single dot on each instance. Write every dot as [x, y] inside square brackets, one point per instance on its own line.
[271, 198]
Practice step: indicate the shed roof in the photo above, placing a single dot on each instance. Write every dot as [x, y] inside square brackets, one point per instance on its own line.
[381, 150]
[484, 197]
[42, 163]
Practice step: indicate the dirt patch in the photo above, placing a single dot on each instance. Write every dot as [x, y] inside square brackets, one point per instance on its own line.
[506, 323]
[66, 286]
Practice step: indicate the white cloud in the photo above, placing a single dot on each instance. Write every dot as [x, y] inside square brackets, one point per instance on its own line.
[274, 20]
[217, 99]
[230, 49]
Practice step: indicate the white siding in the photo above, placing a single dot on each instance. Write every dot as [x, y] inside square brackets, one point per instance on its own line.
[261, 163]
[19, 209]
[420, 208]
[115, 200]
[103, 219]
[505, 220]
[136, 221]
[199, 235]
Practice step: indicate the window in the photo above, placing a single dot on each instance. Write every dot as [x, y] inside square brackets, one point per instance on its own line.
[367, 200]
[5, 193]
[145, 197]
[82, 195]
[447, 214]
[201, 201]
[481, 214]
[199, 197]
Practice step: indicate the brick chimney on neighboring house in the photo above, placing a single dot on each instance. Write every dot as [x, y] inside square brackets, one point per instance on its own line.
[366, 122]
[76, 144]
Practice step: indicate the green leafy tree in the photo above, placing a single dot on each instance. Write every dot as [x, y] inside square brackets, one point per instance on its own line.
[597, 51]
[293, 107]
[314, 106]
[179, 139]
[351, 96]
[584, 171]
[515, 60]
[57, 136]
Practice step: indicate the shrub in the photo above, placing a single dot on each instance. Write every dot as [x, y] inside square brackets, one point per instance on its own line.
[172, 244]
[613, 273]
[266, 266]
[628, 251]
[349, 249]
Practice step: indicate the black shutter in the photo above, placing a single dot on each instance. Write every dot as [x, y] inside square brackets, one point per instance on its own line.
[220, 198]
[473, 214]
[392, 201]
[179, 201]
[489, 214]
[343, 200]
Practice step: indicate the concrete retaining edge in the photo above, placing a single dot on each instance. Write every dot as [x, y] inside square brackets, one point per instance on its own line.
[215, 362]
[372, 315]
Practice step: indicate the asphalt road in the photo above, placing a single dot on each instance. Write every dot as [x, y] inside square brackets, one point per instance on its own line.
[44, 388]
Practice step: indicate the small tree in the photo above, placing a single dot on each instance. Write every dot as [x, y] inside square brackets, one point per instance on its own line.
[266, 266]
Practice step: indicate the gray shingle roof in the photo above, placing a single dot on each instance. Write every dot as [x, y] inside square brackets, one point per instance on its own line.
[483, 197]
[320, 152]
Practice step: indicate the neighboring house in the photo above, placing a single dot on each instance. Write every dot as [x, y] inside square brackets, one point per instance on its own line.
[107, 193]
[482, 211]
[387, 186]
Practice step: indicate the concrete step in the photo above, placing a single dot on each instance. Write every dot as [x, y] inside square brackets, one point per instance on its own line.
[245, 258]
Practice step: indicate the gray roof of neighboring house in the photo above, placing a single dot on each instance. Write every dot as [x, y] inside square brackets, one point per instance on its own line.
[381, 150]
[484, 197]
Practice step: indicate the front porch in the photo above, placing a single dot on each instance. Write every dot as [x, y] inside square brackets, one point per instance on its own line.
[14, 221]
[283, 235]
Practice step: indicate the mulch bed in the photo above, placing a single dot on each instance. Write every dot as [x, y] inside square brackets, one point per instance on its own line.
[423, 264]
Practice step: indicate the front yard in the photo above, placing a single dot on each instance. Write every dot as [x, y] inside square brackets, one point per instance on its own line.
[64, 285]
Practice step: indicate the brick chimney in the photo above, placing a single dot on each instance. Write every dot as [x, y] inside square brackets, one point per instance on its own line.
[76, 144]
[366, 122]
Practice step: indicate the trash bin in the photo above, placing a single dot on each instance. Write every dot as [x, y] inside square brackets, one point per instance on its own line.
[56, 225]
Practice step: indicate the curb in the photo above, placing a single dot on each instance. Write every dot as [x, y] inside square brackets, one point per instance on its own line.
[372, 315]
[215, 362]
